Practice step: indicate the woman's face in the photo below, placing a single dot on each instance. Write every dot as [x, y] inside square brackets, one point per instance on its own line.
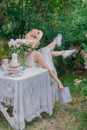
[34, 33]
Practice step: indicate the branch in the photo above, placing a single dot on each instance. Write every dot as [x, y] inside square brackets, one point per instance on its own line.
[46, 9]
[7, 3]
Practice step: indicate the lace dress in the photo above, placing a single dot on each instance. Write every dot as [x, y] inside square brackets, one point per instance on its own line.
[49, 60]
[29, 61]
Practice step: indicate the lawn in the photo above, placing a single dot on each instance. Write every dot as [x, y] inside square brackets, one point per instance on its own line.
[71, 116]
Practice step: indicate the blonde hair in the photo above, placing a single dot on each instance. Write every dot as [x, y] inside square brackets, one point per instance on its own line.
[38, 37]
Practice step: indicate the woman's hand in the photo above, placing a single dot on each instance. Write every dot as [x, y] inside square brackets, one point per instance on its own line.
[61, 89]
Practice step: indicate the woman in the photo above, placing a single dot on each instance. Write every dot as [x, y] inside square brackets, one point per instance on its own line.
[43, 58]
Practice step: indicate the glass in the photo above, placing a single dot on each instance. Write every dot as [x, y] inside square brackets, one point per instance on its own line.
[5, 64]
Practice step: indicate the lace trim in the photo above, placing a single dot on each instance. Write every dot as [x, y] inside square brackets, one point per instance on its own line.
[6, 101]
[37, 113]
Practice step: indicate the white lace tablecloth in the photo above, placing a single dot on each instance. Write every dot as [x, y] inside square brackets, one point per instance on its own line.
[29, 94]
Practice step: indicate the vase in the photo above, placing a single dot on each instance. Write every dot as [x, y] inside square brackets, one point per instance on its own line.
[14, 61]
[14, 57]
[22, 61]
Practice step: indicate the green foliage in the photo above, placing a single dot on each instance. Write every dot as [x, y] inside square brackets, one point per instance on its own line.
[78, 62]
[74, 20]
[82, 115]
[3, 49]
[84, 88]
[67, 17]
[68, 64]
[84, 47]
[58, 62]
[68, 80]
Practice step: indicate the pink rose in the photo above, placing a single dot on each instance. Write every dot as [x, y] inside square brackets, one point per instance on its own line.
[85, 67]
[17, 45]
[12, 42]
[85, 55]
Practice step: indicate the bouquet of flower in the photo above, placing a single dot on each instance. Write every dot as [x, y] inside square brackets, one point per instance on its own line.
[20, 46]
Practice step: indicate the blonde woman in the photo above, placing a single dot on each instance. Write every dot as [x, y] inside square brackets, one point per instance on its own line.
[43, 58]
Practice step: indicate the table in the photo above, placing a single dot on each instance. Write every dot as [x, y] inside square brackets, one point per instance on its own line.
[29, 94]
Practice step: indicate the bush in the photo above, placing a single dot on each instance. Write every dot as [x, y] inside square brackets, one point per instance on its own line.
[84, 88]
[4, 53]
[66, 17]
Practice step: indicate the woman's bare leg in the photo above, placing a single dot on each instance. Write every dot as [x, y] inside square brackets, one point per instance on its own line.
[52, 45]
[57, 53]
[56, 41]
[64, 53]
[39, 58]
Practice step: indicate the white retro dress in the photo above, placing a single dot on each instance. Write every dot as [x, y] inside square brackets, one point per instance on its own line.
[29, 61]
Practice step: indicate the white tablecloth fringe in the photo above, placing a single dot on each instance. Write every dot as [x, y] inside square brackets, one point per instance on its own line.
[7, 101]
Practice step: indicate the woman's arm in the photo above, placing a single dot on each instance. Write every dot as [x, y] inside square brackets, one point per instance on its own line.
[40, 34]
[37, 39]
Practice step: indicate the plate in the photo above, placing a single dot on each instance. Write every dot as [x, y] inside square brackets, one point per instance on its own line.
[16, 75]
